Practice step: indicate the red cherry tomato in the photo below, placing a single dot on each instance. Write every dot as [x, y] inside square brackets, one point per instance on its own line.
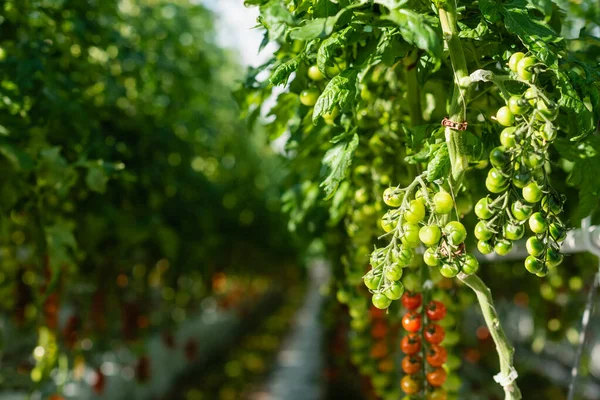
[434, 333]
[411, 364]
[412, 321]
[437, 377]
[436, 310]
[412, 301]
[437, 355]
[410, 344]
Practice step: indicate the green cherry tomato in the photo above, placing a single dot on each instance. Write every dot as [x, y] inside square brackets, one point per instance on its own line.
[513, 232]
[557, 232]
[553, 258]
[507, 137]
[361, 196]
[392, 197]
[449, 270]
[543, 272]
[455, 232]
[410, 235]
[309, 97]
[330, 117]
[532, 193]
[524, 68]
[521, 211]
[431, 258]
[404, 256]
[482, 209]
[547, 133]
[548, 111]
[315, 74]
[394, 291]
[514, 59]
[381, 301]
[377, 258]
[533, 160]
[504, 116]
[517, 105]
[387, 223]
[535, 246]
[343, 296]
[503, 247]
[485, 247]
[372, 281]
[498, 157]
[482, 232]
[393, 272]
[537, 223]
[551, 205]
[415, 212]
[430, 235]
[531, 96]
[470, 264]
[443, 202]
[495, 181]
[533, 264]
[521, 178]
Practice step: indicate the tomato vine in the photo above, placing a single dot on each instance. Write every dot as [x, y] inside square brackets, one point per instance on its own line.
[367, 84]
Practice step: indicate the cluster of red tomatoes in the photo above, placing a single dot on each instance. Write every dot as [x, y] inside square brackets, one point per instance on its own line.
[422, 323]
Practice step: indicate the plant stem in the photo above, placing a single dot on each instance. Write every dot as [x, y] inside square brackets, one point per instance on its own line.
[458, 107]
[459, 161]
[503, 347]
[414, 95]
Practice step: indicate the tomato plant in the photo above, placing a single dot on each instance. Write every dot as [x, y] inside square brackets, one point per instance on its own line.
[444, 107]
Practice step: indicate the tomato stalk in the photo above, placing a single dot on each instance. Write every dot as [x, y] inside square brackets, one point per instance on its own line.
[507, 376]
[459, 162]
[413, 93]
[458, 107]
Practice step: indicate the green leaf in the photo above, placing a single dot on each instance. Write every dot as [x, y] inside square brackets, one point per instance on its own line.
[535, 34]
[439, 166]
[476, 33]
[61, 243]
[275, 17]
[580, 118]
[282, 73]
[490, 10]
[96, 178]
[312, 29]
[340, 91]
[53, 171]
[318, 27]
[336, 162]
[285, 112]
[391, 4]
[20, 160]
[329, 47]
[418, 30]
[544, 6]
[339, 204]
[585, 157]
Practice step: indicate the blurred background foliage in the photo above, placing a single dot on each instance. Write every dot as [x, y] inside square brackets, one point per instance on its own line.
[130, 186]
[134, 198]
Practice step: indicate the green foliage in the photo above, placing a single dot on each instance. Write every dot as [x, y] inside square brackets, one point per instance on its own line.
[123, 157]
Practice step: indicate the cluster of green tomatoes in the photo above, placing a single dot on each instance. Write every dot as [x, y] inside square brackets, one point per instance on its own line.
[518, 178]
[422, 220]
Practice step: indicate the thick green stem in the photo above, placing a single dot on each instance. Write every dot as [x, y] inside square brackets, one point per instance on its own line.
[414, 95]
[459, 161]
[458, 107]
[505, 351]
